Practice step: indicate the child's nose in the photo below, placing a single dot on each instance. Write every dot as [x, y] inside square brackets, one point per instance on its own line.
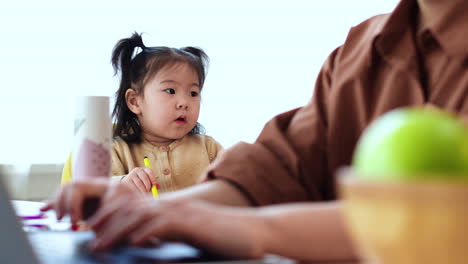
[182, 105]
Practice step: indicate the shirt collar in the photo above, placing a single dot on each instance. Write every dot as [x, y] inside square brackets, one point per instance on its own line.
[448, 25]
[150, 147]
[394, 40]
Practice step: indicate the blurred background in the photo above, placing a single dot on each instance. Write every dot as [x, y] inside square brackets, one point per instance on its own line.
[265, 56]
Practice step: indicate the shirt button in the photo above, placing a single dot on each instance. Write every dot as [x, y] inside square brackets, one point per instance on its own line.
[164, 148]
[166, 171]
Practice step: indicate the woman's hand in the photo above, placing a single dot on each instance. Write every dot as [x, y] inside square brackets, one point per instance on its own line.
[232, 232]
[140, 179]
[71, 197]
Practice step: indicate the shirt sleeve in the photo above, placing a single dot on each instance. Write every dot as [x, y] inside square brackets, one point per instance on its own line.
[288, 161]
[213, 147]
[118, 167]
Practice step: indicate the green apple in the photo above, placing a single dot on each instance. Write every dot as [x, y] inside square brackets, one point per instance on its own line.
[413, 144]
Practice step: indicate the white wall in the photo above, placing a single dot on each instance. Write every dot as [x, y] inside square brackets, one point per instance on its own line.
[31, 181]
[265, 56]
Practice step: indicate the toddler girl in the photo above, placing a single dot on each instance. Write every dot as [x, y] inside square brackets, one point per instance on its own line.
[156, 112]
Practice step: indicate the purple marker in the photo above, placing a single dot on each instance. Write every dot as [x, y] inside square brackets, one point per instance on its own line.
[32, 217]
[38, 226]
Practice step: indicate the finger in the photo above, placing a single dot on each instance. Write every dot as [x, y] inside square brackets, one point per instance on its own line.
[163, 228]
[47, 206]
[165, 224]
[105, 212]
[147, 231]
[50, 204]
[116, 230]
[139, 184]
[138, 210]
[151, 176]
[75, 205]
[59, 203]
[145, 178]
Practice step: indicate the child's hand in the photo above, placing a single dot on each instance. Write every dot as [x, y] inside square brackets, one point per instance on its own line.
[140, 179]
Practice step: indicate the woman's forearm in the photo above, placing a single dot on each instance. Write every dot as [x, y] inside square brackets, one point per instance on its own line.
[304, 231]
[307, 231]
[215, 191]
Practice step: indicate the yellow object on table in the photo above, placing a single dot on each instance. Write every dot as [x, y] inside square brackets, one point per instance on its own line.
[67, 170]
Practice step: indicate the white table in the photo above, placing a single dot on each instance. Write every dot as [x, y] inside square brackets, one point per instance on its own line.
[29, 208]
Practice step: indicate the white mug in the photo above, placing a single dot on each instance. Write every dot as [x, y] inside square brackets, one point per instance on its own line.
[93, 134]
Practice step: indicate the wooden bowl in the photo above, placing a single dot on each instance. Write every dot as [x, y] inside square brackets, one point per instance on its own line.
[406, 223]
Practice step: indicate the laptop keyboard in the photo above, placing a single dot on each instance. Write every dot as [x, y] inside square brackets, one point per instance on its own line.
[61, 247]
[71, 247]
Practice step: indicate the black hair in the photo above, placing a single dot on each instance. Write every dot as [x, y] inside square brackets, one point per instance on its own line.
[136, 71]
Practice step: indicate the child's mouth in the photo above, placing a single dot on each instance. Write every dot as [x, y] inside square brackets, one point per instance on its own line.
[181, 120]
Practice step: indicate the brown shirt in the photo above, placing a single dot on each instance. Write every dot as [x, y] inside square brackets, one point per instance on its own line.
[386, 62]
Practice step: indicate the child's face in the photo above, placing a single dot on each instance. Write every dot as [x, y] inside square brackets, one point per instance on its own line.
[171, 103]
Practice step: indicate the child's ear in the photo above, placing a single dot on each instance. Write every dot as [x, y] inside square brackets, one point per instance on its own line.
[131, 97]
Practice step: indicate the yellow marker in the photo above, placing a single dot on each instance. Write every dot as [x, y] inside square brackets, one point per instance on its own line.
[154, 190]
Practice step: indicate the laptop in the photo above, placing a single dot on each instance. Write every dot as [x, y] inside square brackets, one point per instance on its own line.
[44, 247]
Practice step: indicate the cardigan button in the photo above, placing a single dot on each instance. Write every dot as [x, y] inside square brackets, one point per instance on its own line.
[164, 148]
[166, 171]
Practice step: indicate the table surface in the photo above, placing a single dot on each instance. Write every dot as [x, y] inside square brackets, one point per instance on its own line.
[49, 221]
[30, 208]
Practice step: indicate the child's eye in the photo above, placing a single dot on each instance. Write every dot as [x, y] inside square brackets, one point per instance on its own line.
[170, 91]
[193, 94]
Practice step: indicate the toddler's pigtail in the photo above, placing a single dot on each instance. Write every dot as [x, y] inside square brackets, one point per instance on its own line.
[127, 125]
